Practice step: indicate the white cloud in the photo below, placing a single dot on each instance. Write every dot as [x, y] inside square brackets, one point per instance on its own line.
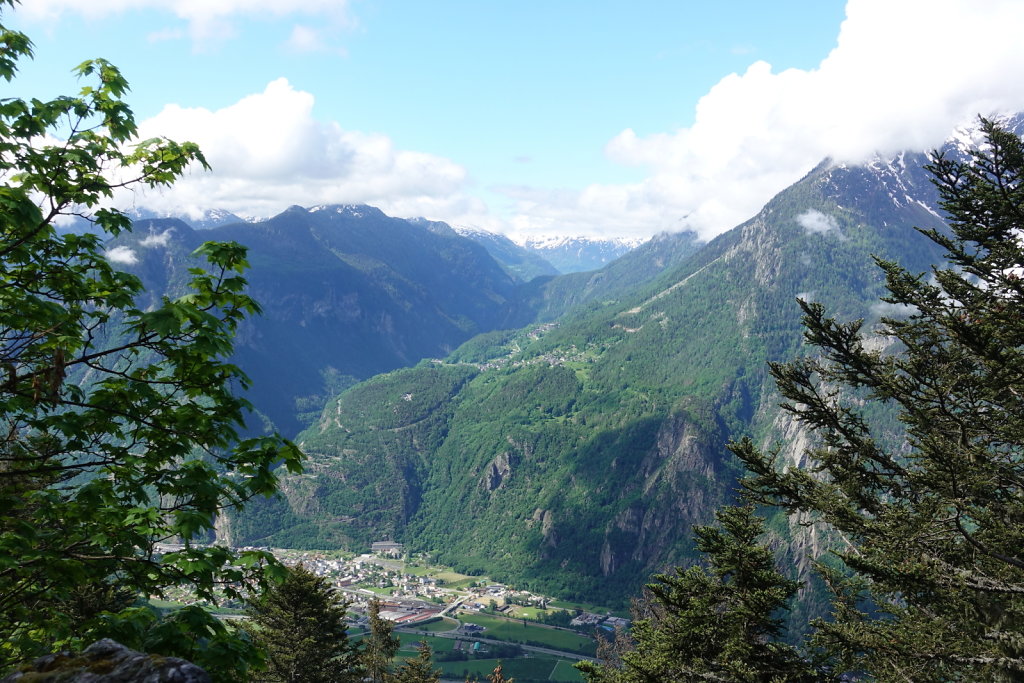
[157, 240]
[814, 221]
[123, 255]
[902, 76]
[268, 152]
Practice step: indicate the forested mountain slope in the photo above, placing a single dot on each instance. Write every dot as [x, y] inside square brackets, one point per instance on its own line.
[573, 456]
[554, 297]
[347, 293]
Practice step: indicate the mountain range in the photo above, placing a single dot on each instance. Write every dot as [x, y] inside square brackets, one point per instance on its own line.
[348, 292]
[561, 433]
[578, 254]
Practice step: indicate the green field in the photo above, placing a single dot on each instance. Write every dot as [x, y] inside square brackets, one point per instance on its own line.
[516, 631]
[532, 668]
[529, 612]
[565, 671]
[586, 607]
[410, 641]
[443, 624]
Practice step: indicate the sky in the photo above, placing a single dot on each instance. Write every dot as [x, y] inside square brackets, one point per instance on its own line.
[532, 118]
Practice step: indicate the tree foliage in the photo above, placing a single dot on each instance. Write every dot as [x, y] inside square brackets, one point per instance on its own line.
[301, 624]
[932, 528]
[379, 646]
[120, 425]
[419, 669]
[722, 623]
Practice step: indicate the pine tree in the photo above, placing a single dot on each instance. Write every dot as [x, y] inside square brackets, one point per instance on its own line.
[379, 646]
[723, 623]
[931, 585]
[301, 624]
[419, 669]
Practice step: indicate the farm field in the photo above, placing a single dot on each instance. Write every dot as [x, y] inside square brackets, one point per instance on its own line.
[595, 609]
[517, 631]
[525, 669]
[443, 624]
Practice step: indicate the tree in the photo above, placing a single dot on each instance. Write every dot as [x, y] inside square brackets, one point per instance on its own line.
[418, 670]
[931, 521]
[379, 646]
[300, 622]
[723, 623]
[120, 425]
[497, 676]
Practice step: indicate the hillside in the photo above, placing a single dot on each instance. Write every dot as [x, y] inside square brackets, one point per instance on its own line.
[574, 456]
[347, 293]
[554, 297]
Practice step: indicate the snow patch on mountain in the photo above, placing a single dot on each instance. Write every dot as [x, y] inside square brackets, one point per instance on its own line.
[568, 241]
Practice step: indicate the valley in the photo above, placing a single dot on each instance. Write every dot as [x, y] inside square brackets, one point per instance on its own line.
[428, 343]
[572, 455]
[470, 622]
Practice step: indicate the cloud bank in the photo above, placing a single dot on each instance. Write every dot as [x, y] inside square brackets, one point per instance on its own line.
[902, 76]
[268, 152]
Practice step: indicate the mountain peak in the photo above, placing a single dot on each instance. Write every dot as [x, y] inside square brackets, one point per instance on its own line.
[350, 210]
[553, 241]
[575, 254]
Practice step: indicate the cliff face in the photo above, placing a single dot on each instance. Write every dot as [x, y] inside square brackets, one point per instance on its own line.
[683, 481]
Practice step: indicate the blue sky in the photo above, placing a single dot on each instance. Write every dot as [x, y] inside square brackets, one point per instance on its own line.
[613, 118]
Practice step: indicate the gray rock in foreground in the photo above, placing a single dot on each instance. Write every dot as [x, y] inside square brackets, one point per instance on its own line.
[107, 661]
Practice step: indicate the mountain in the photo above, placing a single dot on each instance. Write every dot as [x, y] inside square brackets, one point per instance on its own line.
[573, 456]
[578, 254]
[554, 297]
[347, 292]
[520, 262]
[210, 218]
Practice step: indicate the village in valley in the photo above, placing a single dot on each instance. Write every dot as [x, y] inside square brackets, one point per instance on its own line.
[413, 593]
[470, 622]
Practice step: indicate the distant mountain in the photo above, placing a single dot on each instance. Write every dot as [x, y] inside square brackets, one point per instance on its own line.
[213, 218]
[347, 292]
[210, 218]
[578, 254]
[554, 297]
[521, 263]
[574, 456]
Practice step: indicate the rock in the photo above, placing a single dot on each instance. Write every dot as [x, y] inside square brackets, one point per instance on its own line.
[107, 661]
